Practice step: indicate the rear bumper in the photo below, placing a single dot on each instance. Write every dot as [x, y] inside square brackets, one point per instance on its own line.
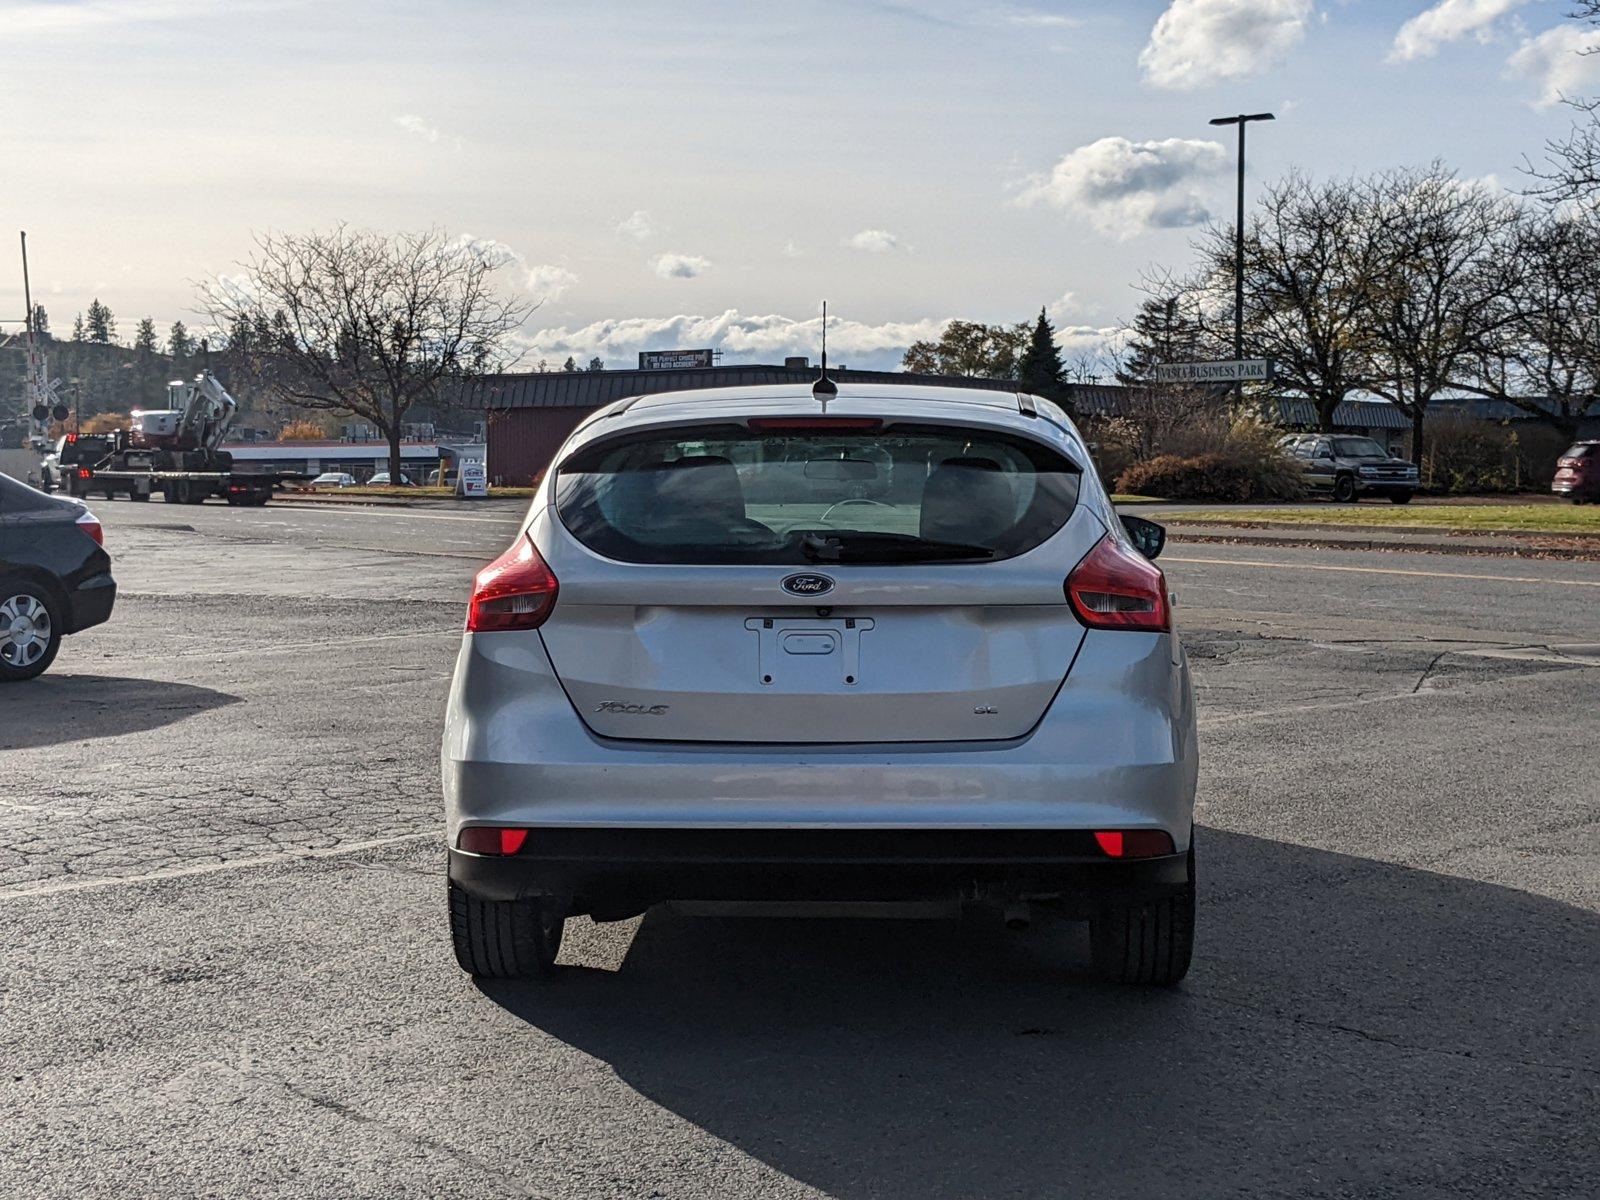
[628, 869]
[91, 601]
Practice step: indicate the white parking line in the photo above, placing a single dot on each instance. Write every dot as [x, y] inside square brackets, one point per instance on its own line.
[509, 518]
[261, 860]
[1276, 566]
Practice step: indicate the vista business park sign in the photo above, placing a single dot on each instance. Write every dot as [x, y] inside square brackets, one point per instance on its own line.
[1239, 370]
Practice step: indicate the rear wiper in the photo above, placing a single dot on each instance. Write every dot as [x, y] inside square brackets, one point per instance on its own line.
[884, 547]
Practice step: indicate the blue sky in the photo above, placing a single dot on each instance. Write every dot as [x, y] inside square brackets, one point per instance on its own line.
[703, 173]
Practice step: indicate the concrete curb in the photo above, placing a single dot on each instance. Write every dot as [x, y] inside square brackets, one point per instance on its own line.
[1266, 527]
[1481, 551]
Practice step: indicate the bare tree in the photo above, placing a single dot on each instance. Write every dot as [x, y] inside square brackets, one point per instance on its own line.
[1444, 293]
[1571, 166]
[1545, 357]
[1313, 261]
[370, 324]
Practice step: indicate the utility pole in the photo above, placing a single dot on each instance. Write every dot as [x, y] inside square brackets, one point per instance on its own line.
[1241, 121]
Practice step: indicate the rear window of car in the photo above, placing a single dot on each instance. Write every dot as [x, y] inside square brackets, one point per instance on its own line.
[1582, 450]
[728, 495]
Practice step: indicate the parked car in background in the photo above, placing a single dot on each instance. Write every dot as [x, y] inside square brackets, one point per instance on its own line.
[1349, 468]
[381, 479]
[55, 577]
[1578, 473]
[436, 478]
[334, 479]
[963, 688]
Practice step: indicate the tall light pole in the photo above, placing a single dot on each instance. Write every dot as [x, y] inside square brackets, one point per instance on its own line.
[1241, 121]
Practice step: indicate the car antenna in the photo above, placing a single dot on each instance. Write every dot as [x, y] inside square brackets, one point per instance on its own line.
[824, 389]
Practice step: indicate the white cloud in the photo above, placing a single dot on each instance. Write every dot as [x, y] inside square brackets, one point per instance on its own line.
[73, 17]
[680, 266]
[489, 249]
[1448, 21]
[790, 250]
[1198, 42]
[768, 338]
[1124, 188]
[1555, 62]
[640, 227]
[547, 281]
[874, 241]
[417, 127]
[1036, 19]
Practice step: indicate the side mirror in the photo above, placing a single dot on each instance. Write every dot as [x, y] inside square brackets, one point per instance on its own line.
[1148, 537]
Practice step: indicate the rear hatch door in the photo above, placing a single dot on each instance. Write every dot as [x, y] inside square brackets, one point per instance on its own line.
[827, 585]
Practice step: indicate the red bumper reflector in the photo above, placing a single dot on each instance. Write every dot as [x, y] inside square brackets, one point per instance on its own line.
[492, 839]
[1133, 843]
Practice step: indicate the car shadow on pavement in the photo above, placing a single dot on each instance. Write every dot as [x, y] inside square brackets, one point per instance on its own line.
[1347, 1022]
[53, 709]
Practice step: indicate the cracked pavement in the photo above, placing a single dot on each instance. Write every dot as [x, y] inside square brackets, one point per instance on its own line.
[227, 972]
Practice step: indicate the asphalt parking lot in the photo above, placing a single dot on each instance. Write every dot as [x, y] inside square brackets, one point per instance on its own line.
[226, 970]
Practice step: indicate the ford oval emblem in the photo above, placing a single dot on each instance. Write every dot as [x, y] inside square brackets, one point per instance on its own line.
[808, 585]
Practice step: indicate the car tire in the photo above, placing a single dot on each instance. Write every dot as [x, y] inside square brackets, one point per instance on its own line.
[20, 599]
[505, 939]
[1400, 497]
[1344, 490]
[1149, 943]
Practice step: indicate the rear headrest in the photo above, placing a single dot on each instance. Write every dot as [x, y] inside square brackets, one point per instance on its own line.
[967, 500]
[698, 489]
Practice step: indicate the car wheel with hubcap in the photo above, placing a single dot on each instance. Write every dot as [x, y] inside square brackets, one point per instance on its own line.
[1344, 490]
[30, 629]
[505, 939]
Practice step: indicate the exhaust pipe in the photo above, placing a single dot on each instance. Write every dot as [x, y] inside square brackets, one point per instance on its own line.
[1017, 915]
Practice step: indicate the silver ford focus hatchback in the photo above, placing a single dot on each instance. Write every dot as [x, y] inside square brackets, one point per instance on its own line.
[760, 647]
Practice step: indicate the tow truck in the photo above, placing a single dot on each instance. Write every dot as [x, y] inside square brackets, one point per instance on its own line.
[176, 451]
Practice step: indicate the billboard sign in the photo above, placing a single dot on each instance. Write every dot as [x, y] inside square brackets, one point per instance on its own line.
[1243, 370]
[673, 360]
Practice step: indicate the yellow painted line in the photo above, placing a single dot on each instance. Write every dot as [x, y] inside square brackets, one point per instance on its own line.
[1251, 562]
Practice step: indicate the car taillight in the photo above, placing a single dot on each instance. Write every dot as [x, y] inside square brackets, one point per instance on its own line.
[1133, 843]
[90, 524]
[84, 473]
[1116, 587]
[515, 591]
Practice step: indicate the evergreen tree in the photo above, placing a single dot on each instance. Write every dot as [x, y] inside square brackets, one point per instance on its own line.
[77, 328]
[148, 371]
[144, 340]
[179, 344]
[597, 364]
[101, 325]
[570, 365]
[1041, 371]
[1162, 333]
[41, 321]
